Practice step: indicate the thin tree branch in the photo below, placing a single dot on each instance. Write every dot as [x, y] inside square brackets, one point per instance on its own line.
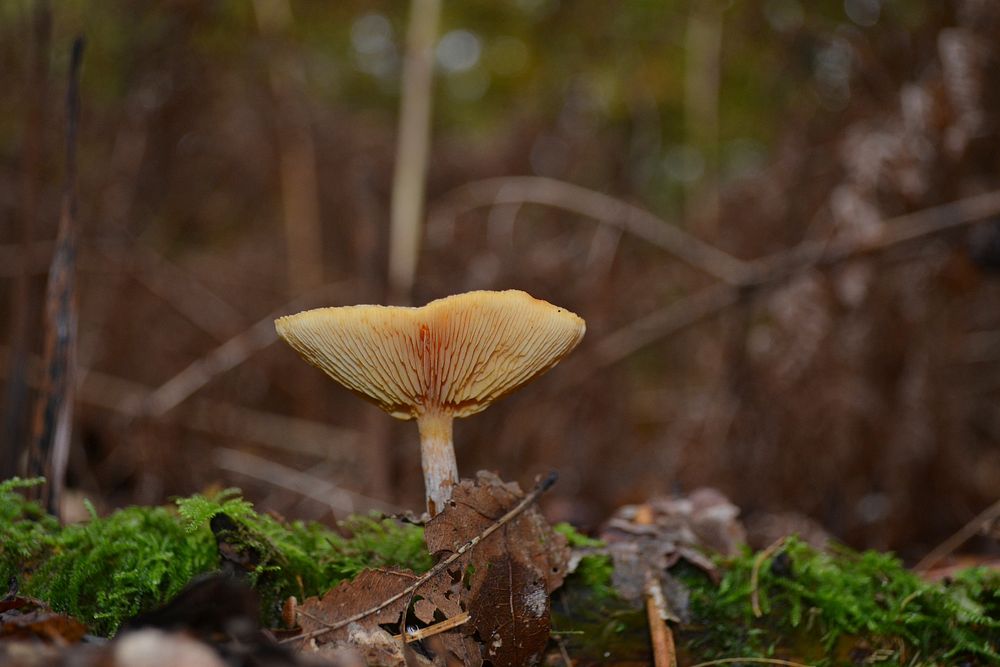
[53, 422]
[591, 204]
[191, 298]
[227, 356]
[216, 418]
[336, 497]
[960, 537]
[776, 269]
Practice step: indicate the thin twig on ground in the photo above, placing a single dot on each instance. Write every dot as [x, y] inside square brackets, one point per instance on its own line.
[563, 653]
[946, 548]
[758, 562]
[513, 513]
[436, 629]
[662, 639]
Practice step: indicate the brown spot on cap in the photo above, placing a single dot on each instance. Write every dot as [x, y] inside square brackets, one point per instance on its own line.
[455, 355]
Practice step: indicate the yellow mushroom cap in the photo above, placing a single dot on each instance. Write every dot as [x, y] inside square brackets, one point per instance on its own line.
[455, 355]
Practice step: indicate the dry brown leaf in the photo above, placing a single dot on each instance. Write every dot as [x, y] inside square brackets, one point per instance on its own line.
[436, 600]
[510, 613]
[475, 505]
[351, 597]
[503, 582]
[509, 575]
[27, 618]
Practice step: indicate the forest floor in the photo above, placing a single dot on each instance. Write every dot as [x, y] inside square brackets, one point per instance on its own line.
[210, 581]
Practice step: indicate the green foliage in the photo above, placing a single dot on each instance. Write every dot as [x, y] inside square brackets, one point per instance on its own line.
[576, 539]
[305, 558]
[109, 569]
[594, 571]
[824, 606]
[26, 528]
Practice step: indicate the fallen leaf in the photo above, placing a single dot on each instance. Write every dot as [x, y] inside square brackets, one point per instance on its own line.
[528, 538]
[439, 598]
[503, 582]
[510, 613]
[27, 618]
[509, 575]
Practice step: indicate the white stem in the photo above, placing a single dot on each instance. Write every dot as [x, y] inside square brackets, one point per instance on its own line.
[437, 455]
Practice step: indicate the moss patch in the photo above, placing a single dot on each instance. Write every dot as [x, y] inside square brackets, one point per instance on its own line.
[824, 609]
[111, 568]
[844, 607]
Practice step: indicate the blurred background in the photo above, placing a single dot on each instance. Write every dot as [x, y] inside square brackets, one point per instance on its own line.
[738, 196]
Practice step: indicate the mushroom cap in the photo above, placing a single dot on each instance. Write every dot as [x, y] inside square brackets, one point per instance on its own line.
[455, 355]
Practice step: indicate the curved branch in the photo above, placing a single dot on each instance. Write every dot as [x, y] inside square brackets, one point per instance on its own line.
[778, 268]
[595, 205]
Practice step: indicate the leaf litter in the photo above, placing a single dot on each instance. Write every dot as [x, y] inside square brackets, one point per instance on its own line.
[503, 584]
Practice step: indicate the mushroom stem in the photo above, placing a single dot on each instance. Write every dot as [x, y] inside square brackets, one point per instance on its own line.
[437, 454]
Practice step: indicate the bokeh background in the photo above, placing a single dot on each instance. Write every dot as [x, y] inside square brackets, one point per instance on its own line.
[633, 161]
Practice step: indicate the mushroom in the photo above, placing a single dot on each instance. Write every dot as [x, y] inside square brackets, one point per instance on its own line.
[450, 358]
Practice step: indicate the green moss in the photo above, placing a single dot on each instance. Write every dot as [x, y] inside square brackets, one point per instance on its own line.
[109, 569]
[576, 539]
[24, 525]
[593, 573]
[823, 609]
[838, 607]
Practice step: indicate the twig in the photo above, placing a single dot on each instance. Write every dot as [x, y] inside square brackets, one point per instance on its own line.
[183, 292]
[190, 297]
[225, 357]
[758, 562]
[218, 418]
[949, 571]
[780, 267]
[412, 147]
[662, 639]
[678, 315]
[53, 420]
[563, 653]
[223, 419]
[945, 549]
[595, 205]
[324, 491]
[436, 629]
[527, 501]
